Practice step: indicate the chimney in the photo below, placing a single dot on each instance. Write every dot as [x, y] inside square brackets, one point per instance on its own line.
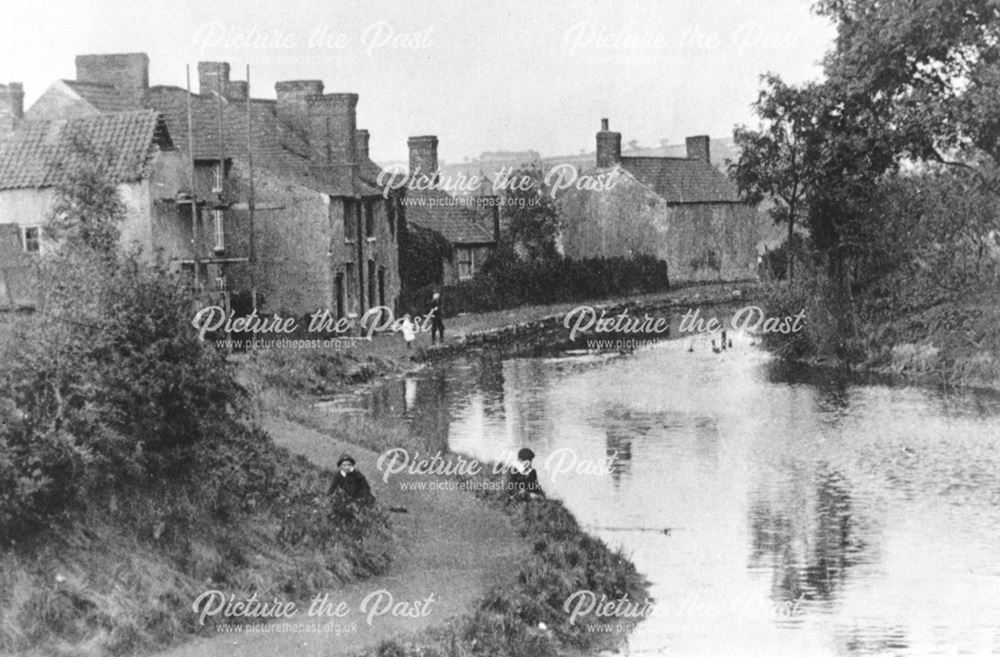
[213, 77]
[609, 146]
[11, 107]
[697, 148]
[332, 129]
[361, 143]
[423, 155]
[238, 90]
[292, 109]
[127, 72]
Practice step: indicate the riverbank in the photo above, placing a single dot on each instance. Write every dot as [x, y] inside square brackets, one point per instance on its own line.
[952, 342]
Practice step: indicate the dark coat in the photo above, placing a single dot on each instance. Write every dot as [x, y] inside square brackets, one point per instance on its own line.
[354, 485]
[437, 311]
[521, 485]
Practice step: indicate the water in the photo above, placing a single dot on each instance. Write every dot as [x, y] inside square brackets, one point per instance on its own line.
[809, 516]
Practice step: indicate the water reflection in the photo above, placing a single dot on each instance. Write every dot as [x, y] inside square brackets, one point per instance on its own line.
[875, 510]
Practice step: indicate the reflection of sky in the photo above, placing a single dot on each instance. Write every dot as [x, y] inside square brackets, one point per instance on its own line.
[876, 505]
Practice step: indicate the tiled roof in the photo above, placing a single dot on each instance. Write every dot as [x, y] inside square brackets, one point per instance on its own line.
[39, 153]
[274, 147]
[103, 97]
[449, 216]
[682, 180]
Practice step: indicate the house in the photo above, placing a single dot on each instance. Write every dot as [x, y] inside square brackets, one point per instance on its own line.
[679, 209]
[287, 214]
[469, 222]
[36, 156]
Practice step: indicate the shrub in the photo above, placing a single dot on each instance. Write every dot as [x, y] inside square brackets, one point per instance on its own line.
[508, 282]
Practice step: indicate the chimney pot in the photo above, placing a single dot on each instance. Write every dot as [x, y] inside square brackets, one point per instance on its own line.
[213, 77]
[423, 155]
[698, 148]
[361, 138]
[292, 109]
[609, 147]
[332, 132]
[128, 73]
[11, 107]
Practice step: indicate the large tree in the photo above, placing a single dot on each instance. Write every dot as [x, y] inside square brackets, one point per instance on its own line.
[776, 159]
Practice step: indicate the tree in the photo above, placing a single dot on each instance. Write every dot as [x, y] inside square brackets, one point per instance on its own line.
[529, 211]
[87, 208]
[934, 67]
[775, 160]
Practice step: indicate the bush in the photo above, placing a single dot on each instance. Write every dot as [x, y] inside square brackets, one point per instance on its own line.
[509, 282]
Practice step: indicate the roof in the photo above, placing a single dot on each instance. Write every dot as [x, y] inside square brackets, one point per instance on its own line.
[103, 97]
[682, 180]
[274, 147]
[39, 153]
[450, 216]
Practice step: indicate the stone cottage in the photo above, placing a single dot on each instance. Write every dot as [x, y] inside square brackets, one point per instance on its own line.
[287, 212]
[470, 222]
[37, 156]
[679, 209]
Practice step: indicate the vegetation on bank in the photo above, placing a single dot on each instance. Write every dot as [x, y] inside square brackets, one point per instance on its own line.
[887, 174]
[508, 281]
[133, 476]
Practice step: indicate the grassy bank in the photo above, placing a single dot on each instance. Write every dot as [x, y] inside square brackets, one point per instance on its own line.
[948, 339]
[134, 477]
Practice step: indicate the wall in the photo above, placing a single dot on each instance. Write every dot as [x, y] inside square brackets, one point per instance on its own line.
[629, 218]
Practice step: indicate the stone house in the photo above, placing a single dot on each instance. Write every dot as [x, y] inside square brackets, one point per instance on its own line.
[679, 209]
[287, 212]
[469, 222]
[36, 156]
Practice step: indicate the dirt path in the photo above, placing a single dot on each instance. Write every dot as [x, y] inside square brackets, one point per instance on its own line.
[454, 547]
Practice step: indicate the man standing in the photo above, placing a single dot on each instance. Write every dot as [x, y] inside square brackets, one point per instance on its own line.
[437, 318]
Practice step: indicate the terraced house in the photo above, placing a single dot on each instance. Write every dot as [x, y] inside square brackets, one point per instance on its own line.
[279, 199]
[37, 156]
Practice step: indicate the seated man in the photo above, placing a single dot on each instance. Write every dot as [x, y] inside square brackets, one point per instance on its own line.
[352, 482]
[522, 483]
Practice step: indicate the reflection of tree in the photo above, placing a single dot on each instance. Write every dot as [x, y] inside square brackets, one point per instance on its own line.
[490, 383]
[430, 416]
[809, 538]
[618, 444]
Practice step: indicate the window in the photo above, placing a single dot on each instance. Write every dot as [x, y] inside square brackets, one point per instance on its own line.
[465, 266]
[31, 239]
[370, 219]
[350, 220]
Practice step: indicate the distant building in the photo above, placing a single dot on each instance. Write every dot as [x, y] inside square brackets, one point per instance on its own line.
[679, 209]
[470, 222]
[35, 157]
[322, 234]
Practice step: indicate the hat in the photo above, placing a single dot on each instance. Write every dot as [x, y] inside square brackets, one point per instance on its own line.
[346, 457]
[525, 454]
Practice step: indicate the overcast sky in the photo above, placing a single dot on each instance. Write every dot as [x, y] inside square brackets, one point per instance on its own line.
[508, 75]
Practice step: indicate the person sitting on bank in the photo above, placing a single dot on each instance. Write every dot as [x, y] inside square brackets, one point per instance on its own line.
[352, 482]
[522, 483]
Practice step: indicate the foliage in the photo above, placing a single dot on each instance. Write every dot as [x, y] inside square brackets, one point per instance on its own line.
[530, 215]
[87, 208]
[508, 282]
[421, 252]
[777, 160]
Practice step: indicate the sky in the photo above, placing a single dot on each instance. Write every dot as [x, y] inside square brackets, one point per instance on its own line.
[481, 75]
